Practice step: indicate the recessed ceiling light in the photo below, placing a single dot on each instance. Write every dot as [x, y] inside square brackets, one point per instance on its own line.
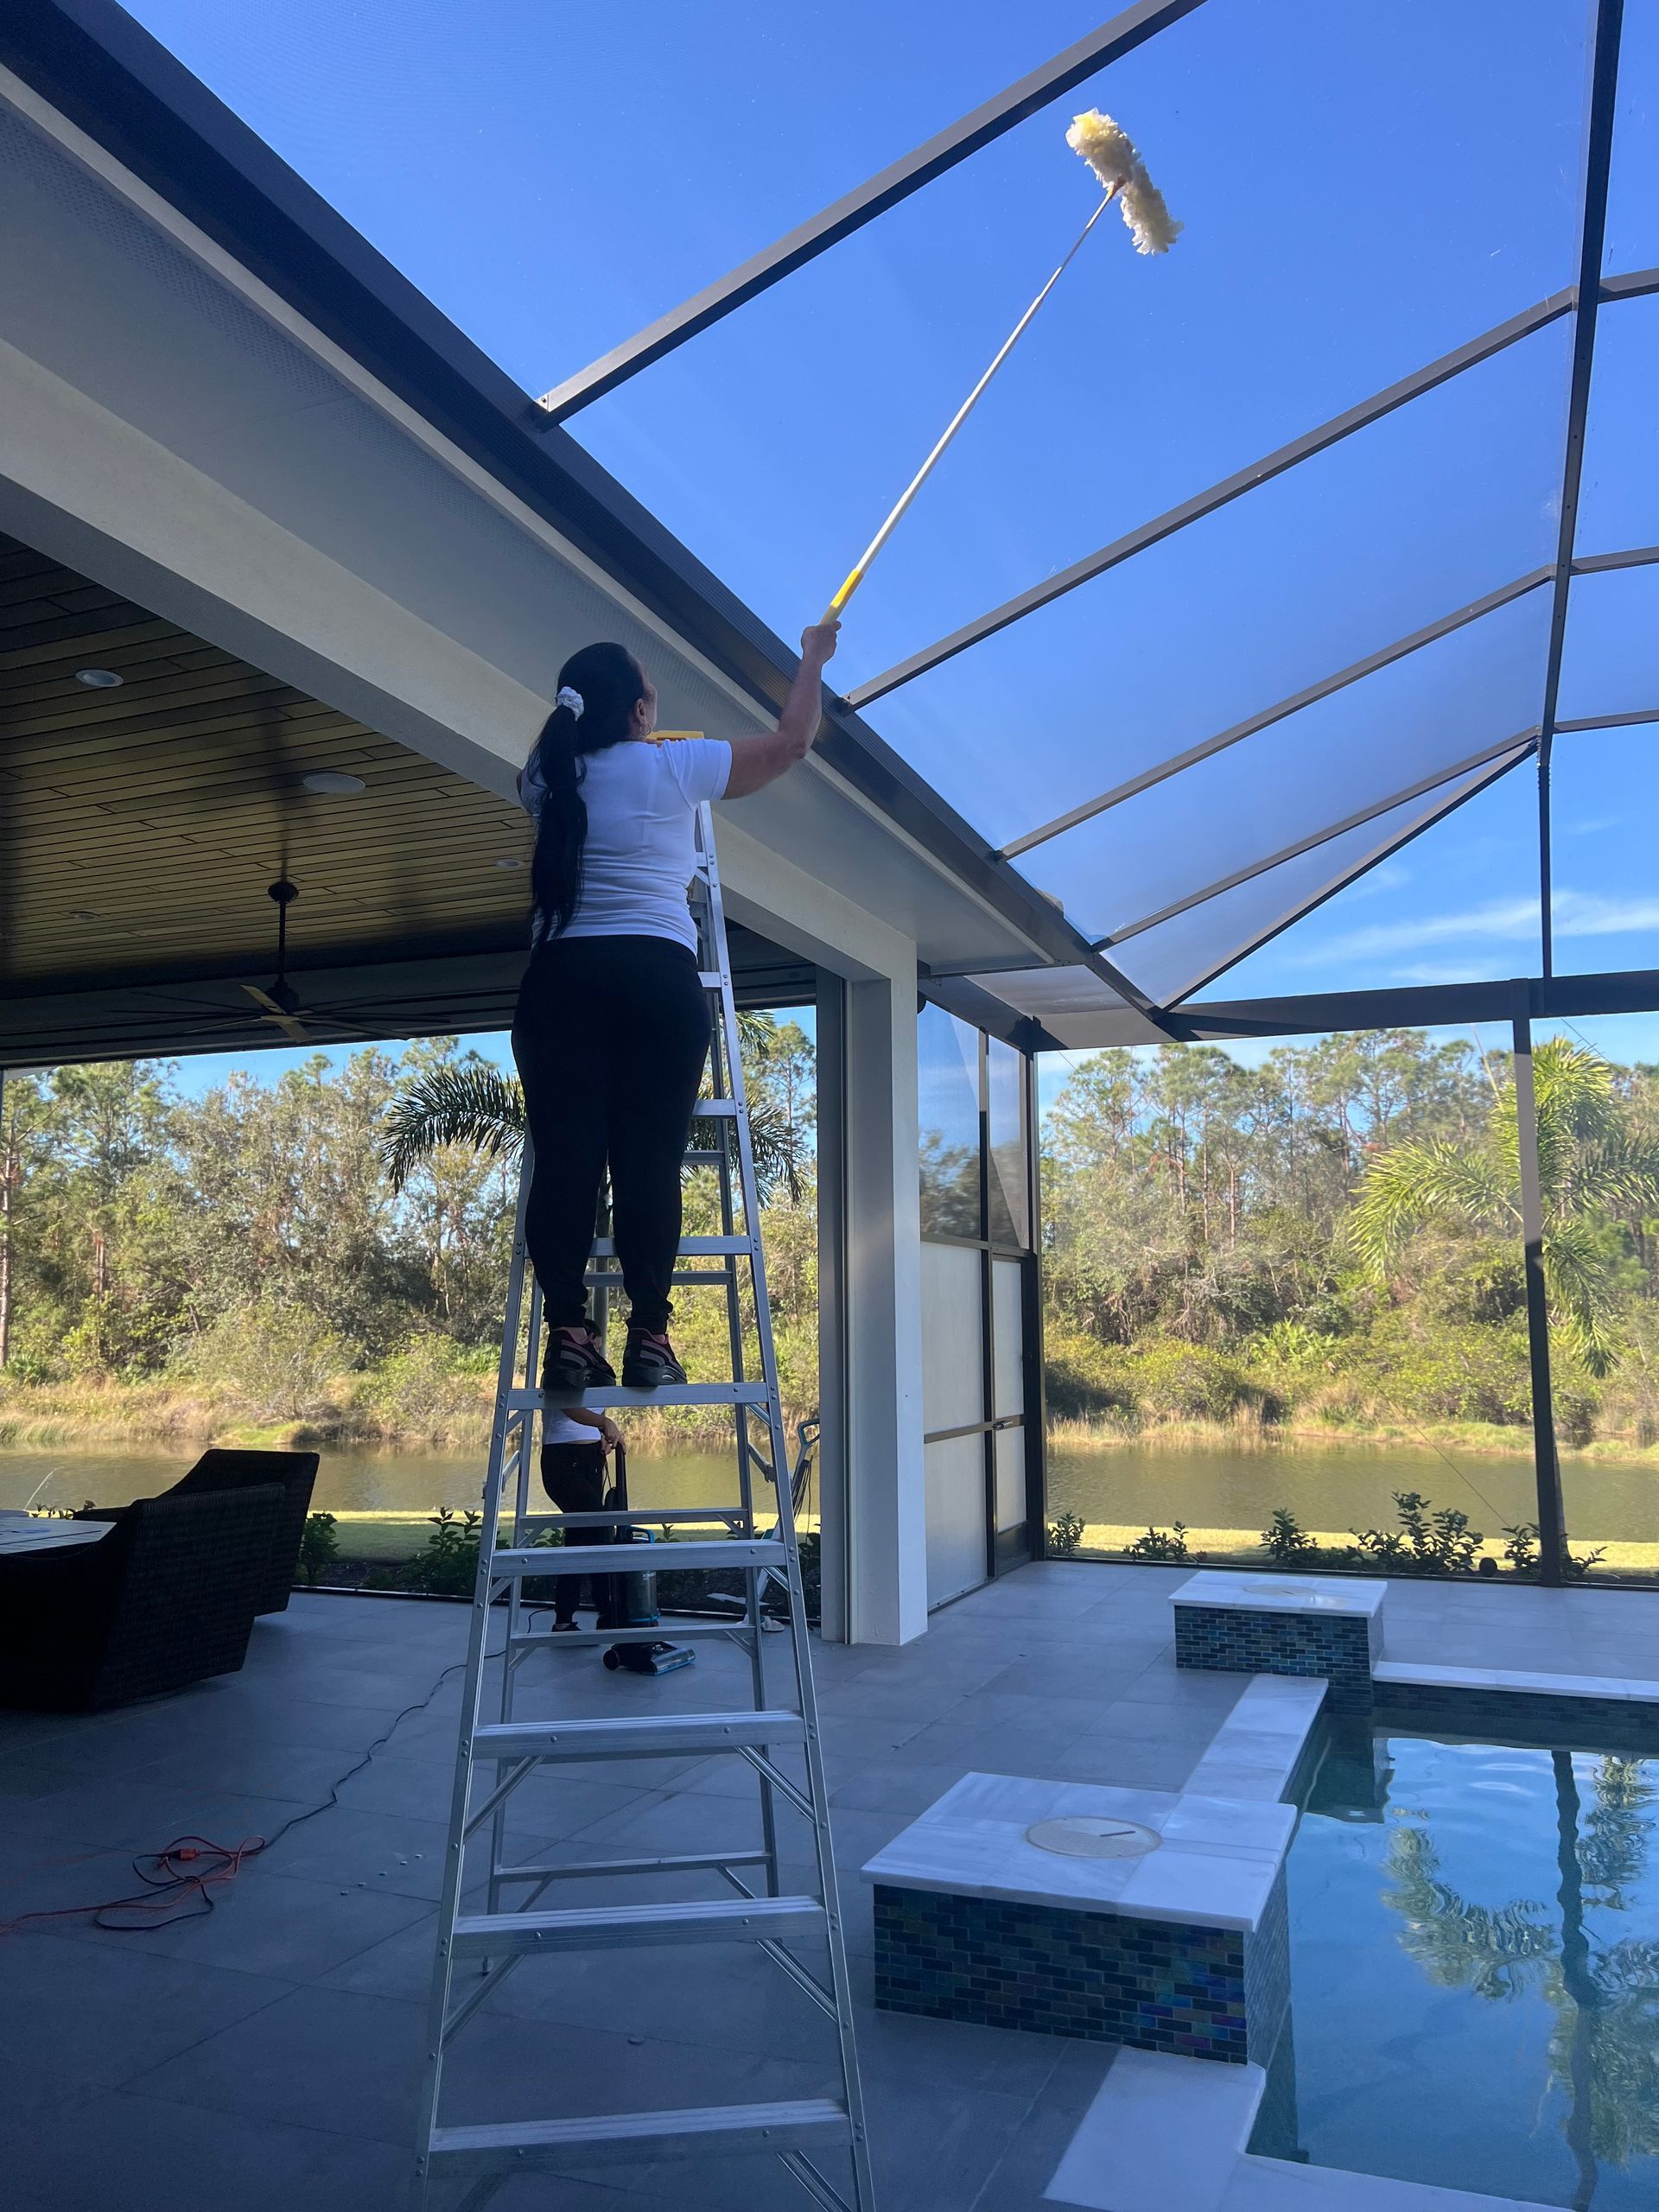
[334, 783]
[84, 914]
[512, 863]
[99, 679]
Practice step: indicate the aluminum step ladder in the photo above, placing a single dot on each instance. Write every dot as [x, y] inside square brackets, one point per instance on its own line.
[820, 2141]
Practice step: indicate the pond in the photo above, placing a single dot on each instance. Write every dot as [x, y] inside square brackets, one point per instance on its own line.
[1226, 1496]
[381, 1499]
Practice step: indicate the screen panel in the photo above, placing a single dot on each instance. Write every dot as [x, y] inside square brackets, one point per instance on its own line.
[1009, 1337]
[948, 1071]
[1610, 656]
[1618, 493]
[1603, 802]
[1405, 725]
[1399, 526]
[956, 1516]
[1458, 903]
[1007, 1188]
[1632, 239]
[953, 1359]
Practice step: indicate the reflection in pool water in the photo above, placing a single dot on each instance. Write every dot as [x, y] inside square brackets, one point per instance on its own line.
[1475, 1972]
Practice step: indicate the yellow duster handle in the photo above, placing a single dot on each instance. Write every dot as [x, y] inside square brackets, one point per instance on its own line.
[860, 569]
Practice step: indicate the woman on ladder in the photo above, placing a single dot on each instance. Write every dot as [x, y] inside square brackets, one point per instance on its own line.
[612, 1026]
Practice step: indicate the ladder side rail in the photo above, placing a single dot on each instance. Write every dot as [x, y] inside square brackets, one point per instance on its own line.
[472, 1694]
[726, 1068]
[828, 1888]
[515, 1618]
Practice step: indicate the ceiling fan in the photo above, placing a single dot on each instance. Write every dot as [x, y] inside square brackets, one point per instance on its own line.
[279, 998]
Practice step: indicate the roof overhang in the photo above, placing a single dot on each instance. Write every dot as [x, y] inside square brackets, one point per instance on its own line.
[339, 392]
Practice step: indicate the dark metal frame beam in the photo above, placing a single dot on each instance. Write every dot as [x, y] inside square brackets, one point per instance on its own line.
[1606, 25]
[1418, 1006]
[942, 153]
[1546, 1466]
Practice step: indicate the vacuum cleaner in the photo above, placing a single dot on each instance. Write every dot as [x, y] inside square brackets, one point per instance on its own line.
[630, 1600]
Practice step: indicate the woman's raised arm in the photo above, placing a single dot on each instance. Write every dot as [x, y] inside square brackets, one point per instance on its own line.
[758, 761]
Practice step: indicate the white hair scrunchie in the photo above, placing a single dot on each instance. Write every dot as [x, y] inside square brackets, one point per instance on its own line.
[572, 699]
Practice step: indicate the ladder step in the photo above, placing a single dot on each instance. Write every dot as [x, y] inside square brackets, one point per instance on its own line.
[701, 1159]
[715, 1110]
[671, 1632]
[602, 1279]
[691, 1247]
[614, 1393]
[633, 1516]
[651, 1735]
[526, 2146]
[717, 1553]
[712, 980]
[580, 1869]
[723, 1920]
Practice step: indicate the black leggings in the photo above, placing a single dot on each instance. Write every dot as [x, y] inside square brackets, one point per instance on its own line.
[610, 1035]
[574, 1477]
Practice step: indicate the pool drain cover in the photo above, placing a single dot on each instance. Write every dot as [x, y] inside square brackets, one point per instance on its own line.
[1093, 1835]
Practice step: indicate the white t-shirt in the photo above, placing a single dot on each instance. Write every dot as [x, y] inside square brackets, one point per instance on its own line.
[640, 850]
[558, 1429]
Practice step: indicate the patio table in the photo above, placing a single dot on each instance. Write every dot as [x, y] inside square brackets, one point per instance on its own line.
[20, 1531]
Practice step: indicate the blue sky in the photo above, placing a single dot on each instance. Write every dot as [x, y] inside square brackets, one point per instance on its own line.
[1363, 188]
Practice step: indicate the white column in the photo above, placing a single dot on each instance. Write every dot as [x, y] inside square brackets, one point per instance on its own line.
[885, 1505]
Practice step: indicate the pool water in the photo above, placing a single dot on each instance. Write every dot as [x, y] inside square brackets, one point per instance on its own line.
[1475, 1972]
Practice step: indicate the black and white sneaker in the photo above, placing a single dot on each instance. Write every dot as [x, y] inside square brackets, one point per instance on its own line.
[649, 1362]
[574, 1361]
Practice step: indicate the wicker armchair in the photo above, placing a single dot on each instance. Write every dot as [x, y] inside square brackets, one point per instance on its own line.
[219, 1469]
[168, 1596]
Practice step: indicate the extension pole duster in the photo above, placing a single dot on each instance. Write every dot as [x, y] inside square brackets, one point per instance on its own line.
[1108, 152]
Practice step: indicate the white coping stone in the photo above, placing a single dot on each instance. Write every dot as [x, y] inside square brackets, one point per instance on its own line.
[1431, 1676]
[1285, 1593]
[1254, 1753]
[1163, 2134]
[1277, 2185]
[1215, 1866]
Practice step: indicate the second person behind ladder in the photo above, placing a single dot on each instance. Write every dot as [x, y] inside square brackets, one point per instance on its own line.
[612, 1026]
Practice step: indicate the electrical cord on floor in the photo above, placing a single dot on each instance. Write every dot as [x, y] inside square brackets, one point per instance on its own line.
[185, 1872]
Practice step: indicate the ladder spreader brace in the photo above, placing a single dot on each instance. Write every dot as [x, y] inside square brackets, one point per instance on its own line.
[477, 1949]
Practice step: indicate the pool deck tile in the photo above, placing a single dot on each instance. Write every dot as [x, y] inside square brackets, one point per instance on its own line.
[326, 1677]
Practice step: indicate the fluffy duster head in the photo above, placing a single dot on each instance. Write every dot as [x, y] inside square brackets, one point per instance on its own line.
[1111, 153]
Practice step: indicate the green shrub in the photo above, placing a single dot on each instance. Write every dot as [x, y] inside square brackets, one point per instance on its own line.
[319, 1545]
[1087, 1380]
[428, 1389]
[1175, 1381]
[278, 1358]
[1065, 1535]
[1285, 1542]
[447, 1563]
[1160, 1543]
[1428, 1540]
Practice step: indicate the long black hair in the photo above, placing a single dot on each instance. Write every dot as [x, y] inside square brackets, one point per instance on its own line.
[612, 683]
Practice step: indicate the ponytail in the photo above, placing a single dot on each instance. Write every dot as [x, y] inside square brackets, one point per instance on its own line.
[598, 691]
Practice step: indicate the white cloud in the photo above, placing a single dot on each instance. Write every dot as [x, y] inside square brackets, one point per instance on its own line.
[1500, 921]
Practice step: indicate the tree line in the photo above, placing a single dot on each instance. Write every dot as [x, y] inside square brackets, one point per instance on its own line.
[1334, 1233]
[265, 1242]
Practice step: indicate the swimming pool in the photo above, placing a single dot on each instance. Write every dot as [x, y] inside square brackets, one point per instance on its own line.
[1475, 1969]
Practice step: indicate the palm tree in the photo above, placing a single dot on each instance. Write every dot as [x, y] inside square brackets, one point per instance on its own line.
[1605, 2042]
[473, 1103]
[1589, 1171]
